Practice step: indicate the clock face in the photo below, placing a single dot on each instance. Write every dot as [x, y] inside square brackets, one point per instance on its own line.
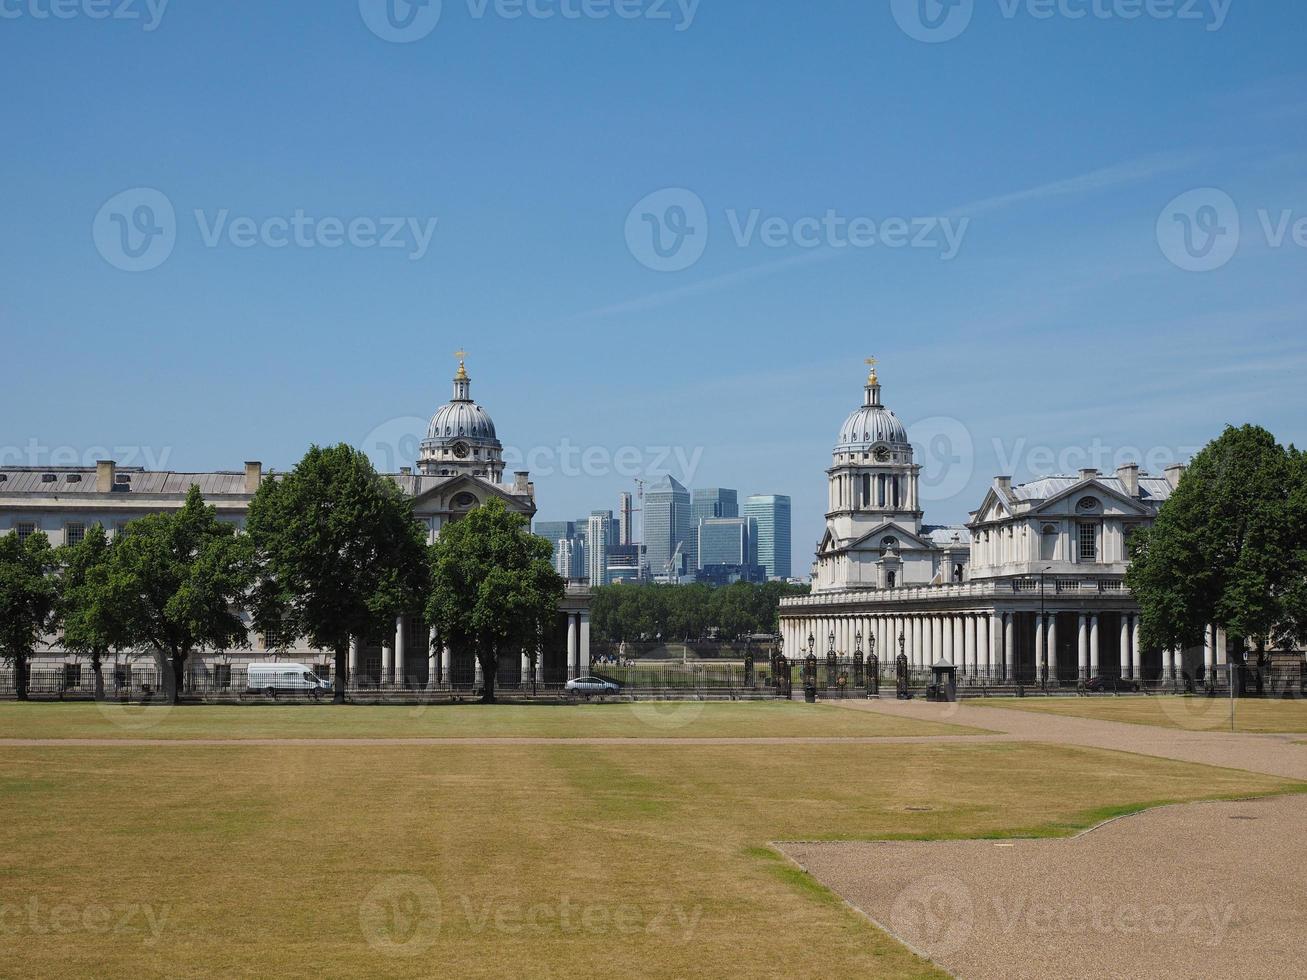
[461, 450]
[882, 455]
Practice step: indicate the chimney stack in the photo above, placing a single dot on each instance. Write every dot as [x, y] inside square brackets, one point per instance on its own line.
[406, 471]
[253, 476]
[104, 475]
[1128, 474]
[520, 484]
[1088, 473]
[1173, 474]
[1004, 483]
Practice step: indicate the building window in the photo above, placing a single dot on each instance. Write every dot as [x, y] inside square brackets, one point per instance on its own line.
[1048, 542]
[891, 579]
[1088, 542]
[72, 675]
[74, 533]
[25, 530]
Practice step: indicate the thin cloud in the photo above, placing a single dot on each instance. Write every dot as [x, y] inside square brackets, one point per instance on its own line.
[1117, 175]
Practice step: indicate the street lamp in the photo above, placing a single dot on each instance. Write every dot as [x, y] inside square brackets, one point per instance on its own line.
[857, 642]
[830, 642]
[812, 643]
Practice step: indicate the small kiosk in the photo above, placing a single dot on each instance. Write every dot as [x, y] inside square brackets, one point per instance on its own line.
[945, 686]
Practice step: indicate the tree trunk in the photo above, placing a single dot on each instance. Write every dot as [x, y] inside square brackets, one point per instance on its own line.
[342, 666]
[20, 677]
[178, 677]
[97, 670]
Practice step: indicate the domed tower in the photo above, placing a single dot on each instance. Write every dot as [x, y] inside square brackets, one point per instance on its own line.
[461, 437]
[873, 478]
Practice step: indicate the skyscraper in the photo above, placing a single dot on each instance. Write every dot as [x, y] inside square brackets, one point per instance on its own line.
[724, 541]
[707, 504]
[769, 529]
[624, 511]
[553, 532]
[668, 525]
[596, 558]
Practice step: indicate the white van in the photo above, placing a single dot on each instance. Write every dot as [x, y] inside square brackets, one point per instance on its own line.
[274, 679]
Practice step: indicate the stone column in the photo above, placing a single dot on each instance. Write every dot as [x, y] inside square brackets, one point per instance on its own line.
[1094, 661]
[1136, 652]
[353, 660]
[982, 645]
[1041, 646]
[400, 651]
[1222, 647]
[446, 664]
[1209, 653]
[996, 645]
[1009, 646]
[1125, 645]
[584, 652]
[525, 679]
[1052, 646]
[572, 631]
[387, 664]
[433, 660]
[1083, 661]
[969, 653]
[478, 676]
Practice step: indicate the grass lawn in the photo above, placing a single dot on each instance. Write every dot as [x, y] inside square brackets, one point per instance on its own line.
[503, 860]
[1171, 711]
[672, 719]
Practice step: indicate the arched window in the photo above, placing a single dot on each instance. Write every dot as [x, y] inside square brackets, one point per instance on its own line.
[891, 579]
[1048, 542]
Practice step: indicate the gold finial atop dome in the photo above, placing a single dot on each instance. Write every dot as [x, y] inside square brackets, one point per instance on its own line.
[462, 369]
[871, 378]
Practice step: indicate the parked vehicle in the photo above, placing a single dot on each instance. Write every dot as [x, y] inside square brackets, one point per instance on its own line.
[281, 678]
[1111, 684]
[591, 685]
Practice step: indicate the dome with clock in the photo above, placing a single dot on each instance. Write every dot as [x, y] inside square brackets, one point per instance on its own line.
[461, 437]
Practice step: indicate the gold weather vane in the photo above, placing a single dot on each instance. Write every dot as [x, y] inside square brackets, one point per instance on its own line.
[462, 369]
[871, 378]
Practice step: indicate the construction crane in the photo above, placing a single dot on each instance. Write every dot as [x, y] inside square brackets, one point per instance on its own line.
[639, 543]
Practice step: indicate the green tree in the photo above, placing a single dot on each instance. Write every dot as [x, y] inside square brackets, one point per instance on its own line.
[494, 590]
[92, 621]
[1226, 548]
[177, 580]
[339, 554]
[29, 601]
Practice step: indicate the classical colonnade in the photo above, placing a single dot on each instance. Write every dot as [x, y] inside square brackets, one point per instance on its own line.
[980, 643]
[394, 655]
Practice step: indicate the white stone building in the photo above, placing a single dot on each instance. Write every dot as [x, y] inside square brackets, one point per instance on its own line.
[1032, 588]
[460, 467]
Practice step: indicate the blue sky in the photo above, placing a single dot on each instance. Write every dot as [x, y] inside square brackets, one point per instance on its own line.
[1073, 325]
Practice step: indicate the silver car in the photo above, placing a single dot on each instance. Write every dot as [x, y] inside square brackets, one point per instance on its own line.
[591, 686]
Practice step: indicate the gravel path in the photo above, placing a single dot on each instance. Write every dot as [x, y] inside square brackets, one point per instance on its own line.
[1276, 755]
[1199, 890]
[135, 742]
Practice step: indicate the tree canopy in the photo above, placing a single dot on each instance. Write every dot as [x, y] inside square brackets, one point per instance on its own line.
[29, 601]
[687, 612]
[92, 620]
[494, 590]
[178, 580]
[339, 554]
[1228, 548]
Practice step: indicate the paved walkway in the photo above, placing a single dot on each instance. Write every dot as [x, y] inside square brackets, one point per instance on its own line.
[1276, 755]
[509, 740]
[1200, 890]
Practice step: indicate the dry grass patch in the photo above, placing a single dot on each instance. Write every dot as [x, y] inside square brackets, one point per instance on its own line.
[541, 860]
[672, 719]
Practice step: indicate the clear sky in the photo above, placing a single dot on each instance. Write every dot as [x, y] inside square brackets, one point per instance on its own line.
[1078, 303]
